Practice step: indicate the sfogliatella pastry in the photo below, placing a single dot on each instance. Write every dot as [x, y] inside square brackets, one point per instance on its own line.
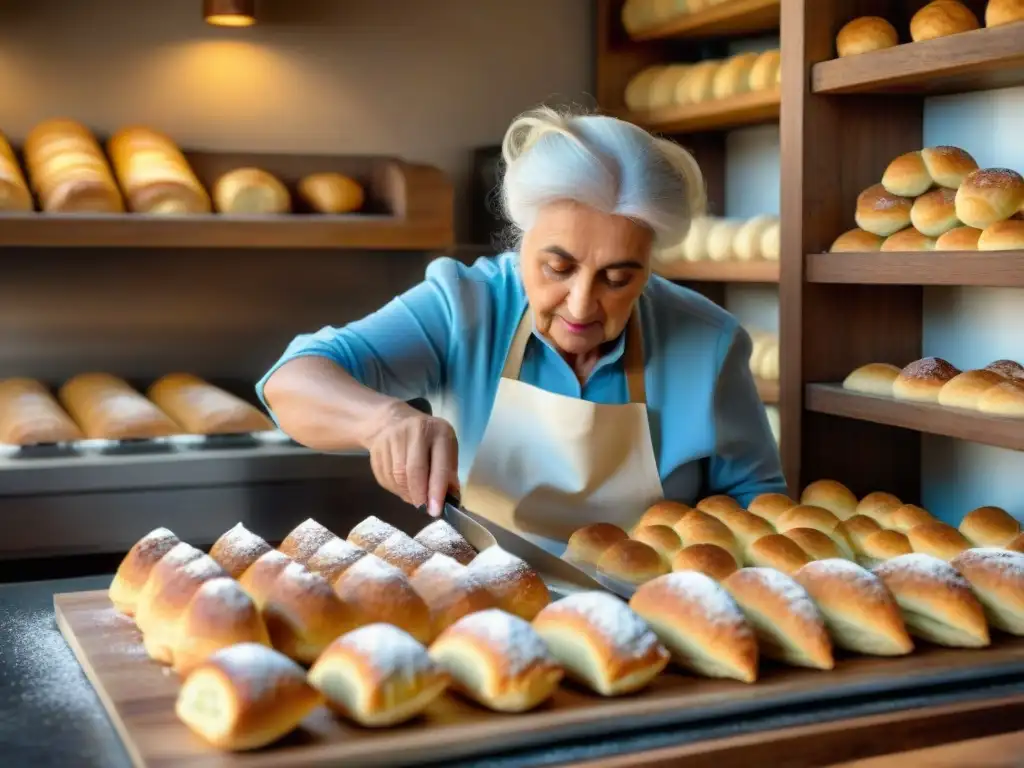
[989, 527]
[936, 601]
[779, 552]
[860, 614]
[872, 379]
[601, 643]
[923, 379]
[514, 585]
[203, 409]
[30, 415]
[770, 506]
[335, 557]
[379, 592]
[938, 540]
[378, 676]
[450, 591]
[237, 549]
[371, 532]
[788, 625]
[700, 625]
[830, 495]
[245, 697]
[709, 559]
[996, 577]
[304, 540]
[258, 579]
[498, 660]
[632, 562]
[134, 570]
[587, 544]
[403, 552]
[879, 547]
[106, 407]
[443, 539]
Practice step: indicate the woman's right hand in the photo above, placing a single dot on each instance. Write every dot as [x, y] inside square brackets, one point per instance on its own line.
[415, 456]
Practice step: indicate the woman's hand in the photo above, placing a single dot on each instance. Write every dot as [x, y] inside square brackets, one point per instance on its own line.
[415, 456]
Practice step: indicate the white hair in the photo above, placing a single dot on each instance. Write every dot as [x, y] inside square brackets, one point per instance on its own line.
[602, 162]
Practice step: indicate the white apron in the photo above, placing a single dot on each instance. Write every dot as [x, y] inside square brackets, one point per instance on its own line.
[549, 464]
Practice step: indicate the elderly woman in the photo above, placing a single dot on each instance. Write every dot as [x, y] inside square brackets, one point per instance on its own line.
[579, 387]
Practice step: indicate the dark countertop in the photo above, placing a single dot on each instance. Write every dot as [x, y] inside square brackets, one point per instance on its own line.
[50, 715]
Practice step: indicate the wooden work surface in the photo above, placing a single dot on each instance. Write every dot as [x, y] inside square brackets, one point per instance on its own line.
[139, 694]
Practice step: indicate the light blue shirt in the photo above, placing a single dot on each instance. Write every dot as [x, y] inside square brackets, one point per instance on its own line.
[446, 340]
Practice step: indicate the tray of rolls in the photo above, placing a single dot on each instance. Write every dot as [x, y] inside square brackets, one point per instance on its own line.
[384, 648]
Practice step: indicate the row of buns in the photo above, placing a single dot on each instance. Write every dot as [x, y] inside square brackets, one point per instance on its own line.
[720, 239]
[68, 172]
[641, 15]
[103, 406]
[940, 18]
[764, 355]
[997, 389]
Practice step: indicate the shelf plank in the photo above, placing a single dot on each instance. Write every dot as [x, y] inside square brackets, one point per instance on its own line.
[920, 417]
[970, 61]
[729, 19]
[768, 389]
[720, 271]
[753, 108]
[988, 268]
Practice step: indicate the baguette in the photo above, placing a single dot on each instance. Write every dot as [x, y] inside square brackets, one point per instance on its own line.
[30, 415]
[154, 174]
[203, 409]
[107, 407]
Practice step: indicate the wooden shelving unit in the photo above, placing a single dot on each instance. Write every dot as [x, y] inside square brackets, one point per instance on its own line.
[990, 268]
[721, 271]
[721, 114]
[732, 18]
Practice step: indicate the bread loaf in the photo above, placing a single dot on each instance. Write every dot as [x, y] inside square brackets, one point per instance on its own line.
[68, 171]
[14, 192]
[830, 495]
[857, 241]
[237, 549]
[745, 526]
[105, 406]
[30, 415]
[934, 213]
[882, 213]
[136, 566]
[709, 559]
[873, 379]
[988, 196]
[989, 527]
[965, 389]
[940, 19]
[334, 557]
[251, 191]
[203, 409]
[587, 544]
[379, 592]
[865, 34]
[999, 12]
[154, 174]
[632, 562]
[1002, 236]
[332, 193]
[908, 239]
[304, 540]
[515, 586]
[923, 379]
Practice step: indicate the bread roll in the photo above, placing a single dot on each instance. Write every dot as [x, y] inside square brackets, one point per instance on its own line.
[662, 91]
[237, 549]
[378, 676]
[379, 592]
[709, 559]
[815, 544]
[857, 241]
[1016, 544]
[663, 512]
[304, 540]
[372, 531]
[661, 538]
[258, 579]
[632, 562]
[701, 528]
[907, 176]
[498, 660]
[1004, 399]
[1011, 369]
[948, 166]
[161, 575]
[335, 557]
[203, 409]
[770, 506]
[514, 585]
[882, 213]
[857, 528]
[637, 96]
[807, 516]
[908, 516]
[988, 196]
[872, 379]
[965, 389]
[880, 547]
[940, 19]
[136, 566]
[14, 192]
[745, 526]
[107, 407]
[245, 697]
[450, 591]
[999, 12]
[733, 77]
[720, 239]
[959, 239]
[601, 643]
[331, 193]
[746, 245]
[934, 213]
[830, 495]
[789, 627]
[404, 552]
[220, 614]
[695, 246]
[989, 527]
[154, 174]
[637, 15]
[771, 244]
[936, 601]
[908, 239]
[30, 415]
[777, 552]
[764, 71]
[879, 506]
[1002, 236]
[860, 613]
[865, 34]
[713, 505]
[587, 544]
[442, 538]
[68, 171]
[937, 539]
[700, 625]
[923, 379]
[996, 577]
[251, 191]
[698, 86]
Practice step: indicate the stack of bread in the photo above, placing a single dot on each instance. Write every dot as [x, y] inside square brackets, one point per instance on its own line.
[102, 406]
[940, 18]
[68, 171]
[997, 389]
[938, 199]
[639, 16]
[719, 239]
[673, 85]
[154, 174]
[14, 193]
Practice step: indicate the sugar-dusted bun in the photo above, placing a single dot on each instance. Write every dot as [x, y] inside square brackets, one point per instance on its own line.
[909, 516]
[770, 505]
[936, 601]
[747, 243]
[136, 566]
[771, 242]
[709, 559]
[937, 539]
[1003, 399]
[908, 240]
[879, 506]
[807, 516]
[858, 528]
[860, 613]
[371, 532]
[632, 561]
[700, 625]
[335, 557]
[816, 544]
[1011, 369]
[663, 512]
[789, 627]
[872, 379]
[220, 614]
[989, 527]
[379, 592]
[948, 166]
[907, 176]
[733, 77]
[498, 660]
[940, 19]
[965, 389]
[245, 697]
[880, 547]
[934, 213]
[865, 34]
[857, 241]
[764, 71]
[922, 380]
[999, 12]
[701, 528]
[259, 578]
[831, 495]
[514, 585]
[403, 552]
[959, 239]
[601, 643]
[378, 676]
[714, 505]
[304, 540]
[237, 549]
[1002, 236]
[996, 577]
[443, 539]
[778, 552]
[450, 591]
[882, 213]
[587, 544]
[160, 575]
[661, 538]
[989, 195]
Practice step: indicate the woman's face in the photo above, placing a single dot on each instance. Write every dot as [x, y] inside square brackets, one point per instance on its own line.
[583, 270]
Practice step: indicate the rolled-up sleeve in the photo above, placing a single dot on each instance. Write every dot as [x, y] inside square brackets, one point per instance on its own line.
[746, 459]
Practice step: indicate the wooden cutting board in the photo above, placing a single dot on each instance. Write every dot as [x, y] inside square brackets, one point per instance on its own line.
[139, 696]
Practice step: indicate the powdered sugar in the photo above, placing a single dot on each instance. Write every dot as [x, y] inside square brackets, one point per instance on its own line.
[390, 651]
[180, 554]
[226, 593]
[922, 566]
[155, 544]
[705, 593]
[611, 618]
[797, 600]
[402, 551]
[1008, 368]
[495, 566]
[441, 537]
[203, 567]
[371, 569]
[444, 568]
[847, 571]
[271, 559]
[510, 637]
[994, 177]
[299, 578]
[930, 368]
[256, 667]
[370, 533]
[336, 554]
[241, 543]
[1007, 562]
[305, 539]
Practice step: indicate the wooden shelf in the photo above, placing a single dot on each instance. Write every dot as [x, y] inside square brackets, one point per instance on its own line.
[921, 417]
[729, 19]
[768, 389]
[970, 61]
[988, 268]
[720, 271]
[753, 108]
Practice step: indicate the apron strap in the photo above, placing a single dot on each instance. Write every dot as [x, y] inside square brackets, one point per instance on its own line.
[632, 355]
